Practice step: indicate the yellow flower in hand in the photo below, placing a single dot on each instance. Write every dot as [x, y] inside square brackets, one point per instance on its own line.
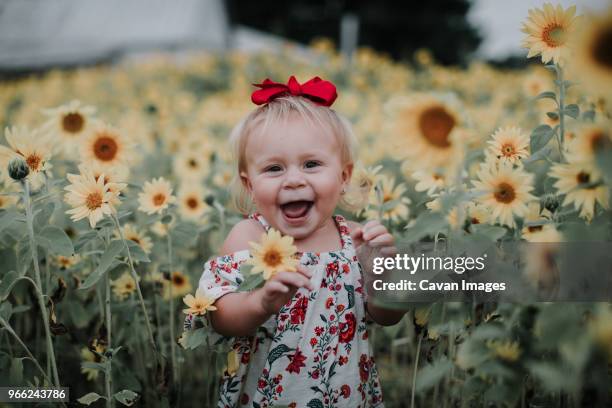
[273, 254]
[199, 304]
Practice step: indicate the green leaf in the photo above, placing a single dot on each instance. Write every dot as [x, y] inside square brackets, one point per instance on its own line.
[56, 240]
[7, 217]
[603, 159]
[93, 366]
[252, 281]
[554, 377]
[195, 338]
[6, 285]
[277, 352]
[6, 310]
[539, 155]
[184, 234]
[588, 116]
[138, 254]
[428, 223]
[89, 398]
[492, 232]
[552, 115]
[572, 110]
[44, 214]
[106, 260]
[430, 375]
[16, 371]
[540, 137]
[126, 397]
[546, 95]
[351, 294]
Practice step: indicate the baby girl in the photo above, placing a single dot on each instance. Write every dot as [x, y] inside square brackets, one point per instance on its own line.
[302, 338]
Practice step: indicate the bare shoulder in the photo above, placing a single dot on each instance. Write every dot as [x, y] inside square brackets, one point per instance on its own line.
[241, 234]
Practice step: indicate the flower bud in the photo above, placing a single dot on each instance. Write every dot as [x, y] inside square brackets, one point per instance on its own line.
[18, 169]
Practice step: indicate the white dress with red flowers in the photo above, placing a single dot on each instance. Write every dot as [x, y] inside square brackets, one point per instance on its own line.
[315, 352]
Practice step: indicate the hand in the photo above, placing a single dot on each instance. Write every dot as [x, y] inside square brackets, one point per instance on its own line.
[281, 288]
[372, 240]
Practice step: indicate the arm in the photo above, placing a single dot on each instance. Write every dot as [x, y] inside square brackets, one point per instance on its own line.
[241, 313]
[375, 235]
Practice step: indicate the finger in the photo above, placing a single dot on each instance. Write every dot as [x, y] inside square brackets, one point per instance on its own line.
[381, 240]
[370, 224]
[388, 251]
[293, 279]
[373, 232]
[357, 236]
[277, 287]
[304, 271]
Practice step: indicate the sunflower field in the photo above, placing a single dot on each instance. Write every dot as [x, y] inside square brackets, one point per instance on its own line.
[114, 193]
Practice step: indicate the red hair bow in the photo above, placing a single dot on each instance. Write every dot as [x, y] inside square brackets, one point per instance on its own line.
[319, 91]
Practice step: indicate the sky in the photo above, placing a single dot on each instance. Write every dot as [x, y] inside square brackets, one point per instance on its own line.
[500, 22]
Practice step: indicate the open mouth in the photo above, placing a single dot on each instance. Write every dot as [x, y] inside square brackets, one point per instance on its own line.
[294, 210]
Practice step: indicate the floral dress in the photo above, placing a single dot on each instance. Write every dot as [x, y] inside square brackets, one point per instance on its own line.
[315, 351]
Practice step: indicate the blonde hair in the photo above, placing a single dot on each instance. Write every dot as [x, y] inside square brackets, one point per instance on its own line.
[278, 111]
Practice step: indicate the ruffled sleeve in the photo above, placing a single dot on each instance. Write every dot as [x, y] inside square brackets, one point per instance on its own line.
[222, 274]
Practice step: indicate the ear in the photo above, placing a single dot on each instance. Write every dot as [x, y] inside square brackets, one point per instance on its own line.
[347, 172]
[244, 177]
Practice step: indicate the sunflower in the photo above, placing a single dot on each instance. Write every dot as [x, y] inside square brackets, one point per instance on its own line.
[536, 83]
[88, 356]
[360, 186]
[478, 213]
[199, 304]
[509, 144]
[504, 190]
[113, 178]
[191, 202]
[178, 285]
[593, 60]
[191, 164]
[123, 286]
[505, 350]
[539, 233]
[132, 233]
[156, 196]
[67, 262]
[89, 198]
[33, 147]
[589, 139]
[549, 31]
[391, 197]
[427, 130]
[106, 146]
[274, 253]
[68, 123]
[429, 180]
[582, 185]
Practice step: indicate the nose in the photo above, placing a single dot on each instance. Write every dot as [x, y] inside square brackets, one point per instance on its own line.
[294, 178]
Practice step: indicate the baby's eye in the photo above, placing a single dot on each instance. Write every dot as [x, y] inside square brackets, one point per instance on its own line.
[311, 163]
[274, 168]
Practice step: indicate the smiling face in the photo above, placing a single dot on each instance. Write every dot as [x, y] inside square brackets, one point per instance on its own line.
[295, 175]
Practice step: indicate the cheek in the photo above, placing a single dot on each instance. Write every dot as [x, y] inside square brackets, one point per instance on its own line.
[264, 190]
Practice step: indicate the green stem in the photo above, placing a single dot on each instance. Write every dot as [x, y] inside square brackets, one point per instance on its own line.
[136, 280]
[109, 361]
[561, 85]
[171, 314]
[416, 367]
[38, 286]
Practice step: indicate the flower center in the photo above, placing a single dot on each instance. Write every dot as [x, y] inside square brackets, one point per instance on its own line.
[583, 177]
[598, 139]
[601, 48]
[387, 198]
[135, 239]
[177, 279]
[193, 163]
[535, 228]
[475, 220]
[436, 124]
[159, 199]
[73, 122]
[105, 147]
[554, 35]
[504, 193]
[93, 201]
[508, 150]
[272, 257]
[192, 203]
[33, 161]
